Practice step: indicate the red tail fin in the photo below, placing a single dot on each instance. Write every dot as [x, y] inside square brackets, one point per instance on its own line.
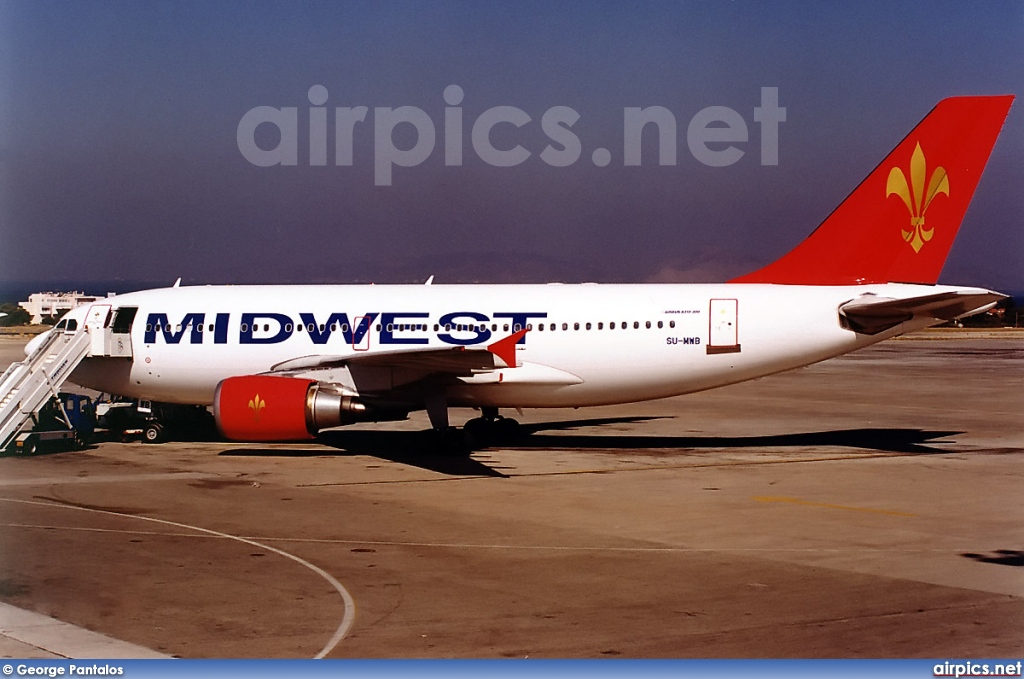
[899, 224]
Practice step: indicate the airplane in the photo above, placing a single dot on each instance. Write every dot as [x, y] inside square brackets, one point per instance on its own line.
[282, 363]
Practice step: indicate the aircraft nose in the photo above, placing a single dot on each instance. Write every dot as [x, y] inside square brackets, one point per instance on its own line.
[35, 342]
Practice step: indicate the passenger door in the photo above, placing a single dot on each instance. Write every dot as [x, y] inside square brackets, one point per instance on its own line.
[723, 333]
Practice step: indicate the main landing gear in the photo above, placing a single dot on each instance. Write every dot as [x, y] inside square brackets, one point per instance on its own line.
[487, 430]
[491, 428]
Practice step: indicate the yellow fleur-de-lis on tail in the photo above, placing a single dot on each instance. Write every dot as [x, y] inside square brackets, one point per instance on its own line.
[257, 404]
[918, 201]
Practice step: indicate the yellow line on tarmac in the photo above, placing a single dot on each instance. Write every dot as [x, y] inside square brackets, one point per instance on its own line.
[808, 503]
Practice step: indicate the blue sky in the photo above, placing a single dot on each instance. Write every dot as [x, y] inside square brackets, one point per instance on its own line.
[119, 156]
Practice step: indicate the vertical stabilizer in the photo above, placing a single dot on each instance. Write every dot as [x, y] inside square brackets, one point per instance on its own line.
[899, 224]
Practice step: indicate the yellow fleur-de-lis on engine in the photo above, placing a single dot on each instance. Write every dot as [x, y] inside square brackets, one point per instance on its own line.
[257, 404]
[918, 201]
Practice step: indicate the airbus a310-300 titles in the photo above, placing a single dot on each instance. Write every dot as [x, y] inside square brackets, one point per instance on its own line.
[285, 362]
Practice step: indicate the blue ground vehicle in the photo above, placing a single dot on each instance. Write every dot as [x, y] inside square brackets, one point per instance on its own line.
[72, 421]
[66, 422]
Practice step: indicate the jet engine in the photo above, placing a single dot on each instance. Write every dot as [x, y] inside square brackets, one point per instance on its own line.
[270, 408]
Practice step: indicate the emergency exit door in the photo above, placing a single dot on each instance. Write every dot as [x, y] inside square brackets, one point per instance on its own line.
[723, 333]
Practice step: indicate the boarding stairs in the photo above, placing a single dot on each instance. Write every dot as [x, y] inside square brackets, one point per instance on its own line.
[26, 386]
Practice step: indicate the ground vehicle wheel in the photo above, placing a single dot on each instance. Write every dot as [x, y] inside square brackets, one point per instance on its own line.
[154, 433]
[28, 449]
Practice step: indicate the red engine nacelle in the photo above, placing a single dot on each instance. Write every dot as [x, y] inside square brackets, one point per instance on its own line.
[267, 408]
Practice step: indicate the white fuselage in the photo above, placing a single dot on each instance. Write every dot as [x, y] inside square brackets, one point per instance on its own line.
[599, 344]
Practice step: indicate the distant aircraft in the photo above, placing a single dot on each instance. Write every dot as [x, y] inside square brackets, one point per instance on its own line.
[284, 362]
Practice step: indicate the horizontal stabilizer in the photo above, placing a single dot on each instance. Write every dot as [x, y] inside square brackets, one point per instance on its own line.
[870, 315]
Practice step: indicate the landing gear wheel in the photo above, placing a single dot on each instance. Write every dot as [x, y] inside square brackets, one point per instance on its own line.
[486, 431]
[478, 427]
[154, 433]
[507, 429]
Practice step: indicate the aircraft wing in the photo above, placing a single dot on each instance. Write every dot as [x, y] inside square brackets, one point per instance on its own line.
[456, 360]
[871, 315]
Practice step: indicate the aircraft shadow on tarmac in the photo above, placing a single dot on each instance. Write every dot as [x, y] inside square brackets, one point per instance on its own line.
[420, 449]
[1003, 557]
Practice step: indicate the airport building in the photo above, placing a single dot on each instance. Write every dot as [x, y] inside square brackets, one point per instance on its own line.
[42, 304]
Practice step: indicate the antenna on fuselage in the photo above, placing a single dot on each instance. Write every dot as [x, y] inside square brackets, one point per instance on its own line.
[430, 280]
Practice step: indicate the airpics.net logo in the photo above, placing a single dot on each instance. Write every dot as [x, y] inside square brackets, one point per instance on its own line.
[712, 135]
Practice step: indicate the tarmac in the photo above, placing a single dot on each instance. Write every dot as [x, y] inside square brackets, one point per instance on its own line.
[868, 506]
